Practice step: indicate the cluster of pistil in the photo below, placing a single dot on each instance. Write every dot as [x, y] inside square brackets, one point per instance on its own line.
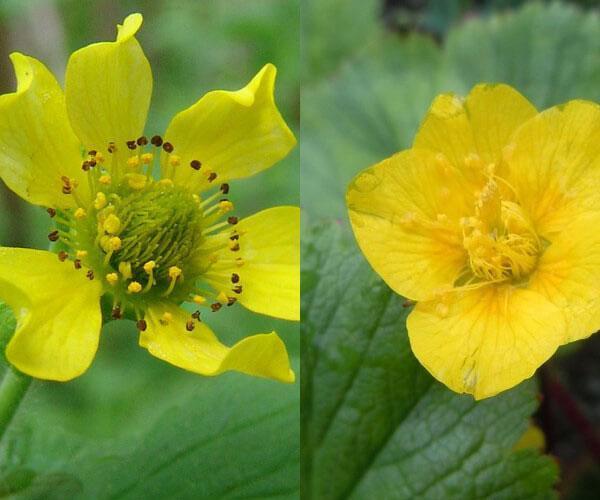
[150, 240]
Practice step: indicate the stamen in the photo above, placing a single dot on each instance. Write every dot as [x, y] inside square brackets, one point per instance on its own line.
[131, 145]
[112, 225]
[168, 147]
[232, 220]
[51, 212]
[53, 236]
[80, 213]
[90, 275]
[100, 201]
[77, 264]
[224, 188]
[105, 179]
[62, 255]
[141, 325]
[189, 325]
[231, 301]
[142, 141]
[133, 162]
[112, 147]
[116, 313]
[81, 254]
[195, 164]
[199, 299]
[134, 287]
[235, 278]
[112, 278]
[156, 141]
[216, 306]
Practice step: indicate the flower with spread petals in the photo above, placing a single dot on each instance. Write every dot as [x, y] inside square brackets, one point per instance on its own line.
[490, 222]
[145, 242]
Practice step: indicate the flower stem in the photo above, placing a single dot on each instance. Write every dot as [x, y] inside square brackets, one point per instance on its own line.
[12, 390]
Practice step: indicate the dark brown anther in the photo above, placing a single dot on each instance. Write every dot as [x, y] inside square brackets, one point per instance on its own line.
[216, 306]
[62, 255]
[189, 325]
[231, 301]
[131, 144]
[112, 147]
[93, 152]
[168, 147]
[408, 303]
[51, 212]
[196, 315]
[234, 236]
[67, 189]
[116, 313]
[195, 164]
[90, 275]
[77, 264]
[156, 141]
[232, 220]
[85, 166]
[237, 289]
[53, 236]
[235, 247]
[141, 325]
[92, 163]
[224, 188]
[212, 176]
[142, 141]
[235, 278]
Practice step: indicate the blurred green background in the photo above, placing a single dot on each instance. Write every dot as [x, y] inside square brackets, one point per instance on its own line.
[370, 71]
[134, 426]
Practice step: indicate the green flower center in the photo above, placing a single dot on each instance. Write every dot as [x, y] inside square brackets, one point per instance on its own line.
[150, 241]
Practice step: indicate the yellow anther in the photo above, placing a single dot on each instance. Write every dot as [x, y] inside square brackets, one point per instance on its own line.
[136, 181]
[147, 158]
[114, 243]
[112, 224]
[442, 218]
[174, 272]
[100, 201]
[165, 182]
[239, 262]
[167, 317]
[134, 287]
[199, 299]
[99, 157]
[442, 310]
[149, 266]
[174, 160]
[80, 254]
[133, 162]
[222, 297]
[105, 243]
[225, 206]
[125, 269]
[105, 179]
[112, 278]
[80, 213]
[196, 198]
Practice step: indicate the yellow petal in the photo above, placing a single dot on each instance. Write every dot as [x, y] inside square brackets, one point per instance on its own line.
[405, 215]
[270, 249]
[57, 310]
[568, 274]
[554, 165]
[481, 124]
[200, 351]
[485, 341]
[108, 89]
[234, 134]
[37, 145]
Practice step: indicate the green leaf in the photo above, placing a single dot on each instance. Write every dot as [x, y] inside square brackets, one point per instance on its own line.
[228, 437]
[374, 423]
[373, 106]
[334, 29]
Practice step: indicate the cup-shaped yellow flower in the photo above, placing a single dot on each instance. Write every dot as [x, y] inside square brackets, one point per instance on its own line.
[491, 222]
[147, 241]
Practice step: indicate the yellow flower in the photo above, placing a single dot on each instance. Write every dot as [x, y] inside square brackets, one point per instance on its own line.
[491, 223]
[173, 242]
